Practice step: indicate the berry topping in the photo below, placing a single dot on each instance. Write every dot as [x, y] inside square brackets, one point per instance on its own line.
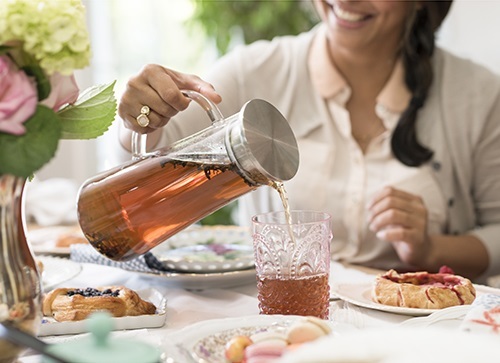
[446, 270]
[91, 292]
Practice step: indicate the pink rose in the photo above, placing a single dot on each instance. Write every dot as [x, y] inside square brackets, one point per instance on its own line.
[18, 98]
[63, 90]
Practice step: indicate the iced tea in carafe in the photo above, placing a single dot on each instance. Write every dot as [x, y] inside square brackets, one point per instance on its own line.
[129, 210]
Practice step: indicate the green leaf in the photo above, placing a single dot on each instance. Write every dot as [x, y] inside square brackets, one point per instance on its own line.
[42, 81]
[91, 115]
[25, 154]
[4, 49]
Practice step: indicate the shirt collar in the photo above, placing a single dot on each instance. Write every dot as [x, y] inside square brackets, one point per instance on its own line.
[329, 82]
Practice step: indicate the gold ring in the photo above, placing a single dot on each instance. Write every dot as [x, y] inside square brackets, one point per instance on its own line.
[143, 119]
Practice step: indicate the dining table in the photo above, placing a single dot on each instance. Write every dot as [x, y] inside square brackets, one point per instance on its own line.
[195, 310]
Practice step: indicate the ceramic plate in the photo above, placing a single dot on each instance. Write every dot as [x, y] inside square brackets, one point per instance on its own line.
[202, 281]
[207, 249]
[205, 341]
[446, 318]
[450, 317]
[360, 294]
[51, 327]
[57, 270]
[396, 344]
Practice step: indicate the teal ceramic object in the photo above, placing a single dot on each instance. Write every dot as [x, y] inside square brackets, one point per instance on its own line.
[98, 347]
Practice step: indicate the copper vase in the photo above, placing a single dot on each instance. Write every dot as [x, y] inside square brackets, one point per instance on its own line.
[20, 289]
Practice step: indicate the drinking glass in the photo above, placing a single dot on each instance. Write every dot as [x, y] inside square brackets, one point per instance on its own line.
[292, 260]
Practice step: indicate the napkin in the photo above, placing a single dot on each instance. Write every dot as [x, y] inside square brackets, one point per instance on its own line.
[483, 316]
[147, 263]
[52, 201]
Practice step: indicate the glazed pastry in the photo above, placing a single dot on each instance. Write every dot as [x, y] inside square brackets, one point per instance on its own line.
[68, 239]
[422, 290]
[69, 304]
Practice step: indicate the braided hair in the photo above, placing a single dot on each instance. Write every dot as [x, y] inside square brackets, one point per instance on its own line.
[417, 49]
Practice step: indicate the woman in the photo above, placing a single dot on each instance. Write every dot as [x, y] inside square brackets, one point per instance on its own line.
[399, 140]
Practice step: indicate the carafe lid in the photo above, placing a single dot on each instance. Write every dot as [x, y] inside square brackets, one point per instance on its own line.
[263, 142]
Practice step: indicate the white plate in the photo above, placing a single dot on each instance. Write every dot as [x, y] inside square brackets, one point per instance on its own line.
[202, 281]
[57, 270]
[360, 294]
[207, 249]
[205, 340]
[51, 327]
[446, 318]
[397, 344]
[451, 317]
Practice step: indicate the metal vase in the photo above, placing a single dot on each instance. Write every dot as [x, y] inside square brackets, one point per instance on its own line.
[20, 288]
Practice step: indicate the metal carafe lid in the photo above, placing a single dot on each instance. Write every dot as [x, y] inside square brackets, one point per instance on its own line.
[262, 142]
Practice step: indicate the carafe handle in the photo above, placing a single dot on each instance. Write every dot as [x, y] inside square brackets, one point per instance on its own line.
[138, 146]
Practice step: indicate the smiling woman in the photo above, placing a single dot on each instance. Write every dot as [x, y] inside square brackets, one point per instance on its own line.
[381, 114]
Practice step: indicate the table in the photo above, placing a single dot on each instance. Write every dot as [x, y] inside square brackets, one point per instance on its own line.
[188, 307]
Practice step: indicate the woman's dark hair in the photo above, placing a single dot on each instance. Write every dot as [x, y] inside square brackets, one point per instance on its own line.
[418, 47]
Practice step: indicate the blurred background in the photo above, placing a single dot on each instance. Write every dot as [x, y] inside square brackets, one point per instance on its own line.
[189, 35]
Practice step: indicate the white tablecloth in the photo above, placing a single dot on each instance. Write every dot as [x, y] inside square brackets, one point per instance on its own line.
[187, 307]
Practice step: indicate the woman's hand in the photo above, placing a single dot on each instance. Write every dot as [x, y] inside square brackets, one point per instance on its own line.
[401, 219]
[159, 88]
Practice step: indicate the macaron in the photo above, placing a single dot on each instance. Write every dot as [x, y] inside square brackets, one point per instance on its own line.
[306, 330]
[265, 350]
[235, 348]
[268, 335]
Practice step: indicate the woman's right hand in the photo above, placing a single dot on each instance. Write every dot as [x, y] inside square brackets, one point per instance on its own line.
[159, 88]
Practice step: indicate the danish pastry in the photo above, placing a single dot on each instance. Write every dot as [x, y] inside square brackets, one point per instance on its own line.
[70, 304]
[68, 239]
[422, 290]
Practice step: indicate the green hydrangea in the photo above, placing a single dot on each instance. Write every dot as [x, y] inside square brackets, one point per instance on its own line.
[53, 32]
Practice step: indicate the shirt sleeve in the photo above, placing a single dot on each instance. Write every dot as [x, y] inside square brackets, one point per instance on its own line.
[486, 187]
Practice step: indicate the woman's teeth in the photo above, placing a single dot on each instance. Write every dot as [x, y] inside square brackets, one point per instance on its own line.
[346, 15]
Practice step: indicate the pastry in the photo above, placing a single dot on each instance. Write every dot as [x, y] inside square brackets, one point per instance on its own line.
[423, 290]
[68, 239]
[39, 265]
[70, 304]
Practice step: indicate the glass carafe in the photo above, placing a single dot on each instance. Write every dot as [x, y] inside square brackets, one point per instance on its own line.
[130, 209]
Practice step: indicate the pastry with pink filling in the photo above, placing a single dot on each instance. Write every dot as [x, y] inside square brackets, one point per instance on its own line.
[423, 290]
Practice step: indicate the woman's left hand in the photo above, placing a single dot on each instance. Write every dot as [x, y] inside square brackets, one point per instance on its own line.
[401, 219]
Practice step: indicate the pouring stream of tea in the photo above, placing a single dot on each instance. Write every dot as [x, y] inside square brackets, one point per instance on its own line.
[280, 188]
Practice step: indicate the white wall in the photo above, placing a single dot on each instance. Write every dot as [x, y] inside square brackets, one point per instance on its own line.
[472, 30]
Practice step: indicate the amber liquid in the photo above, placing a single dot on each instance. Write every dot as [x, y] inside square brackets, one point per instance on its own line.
[125, 213]
[307, 296]
[280, 188]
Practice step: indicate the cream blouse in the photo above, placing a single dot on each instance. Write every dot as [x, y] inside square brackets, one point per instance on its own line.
[355, 177]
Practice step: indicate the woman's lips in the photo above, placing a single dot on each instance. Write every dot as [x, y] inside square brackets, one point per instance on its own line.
[347, 17]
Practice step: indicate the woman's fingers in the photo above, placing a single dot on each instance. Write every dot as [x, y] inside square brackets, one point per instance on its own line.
[393, 206]
[400, 218]
[158, 88]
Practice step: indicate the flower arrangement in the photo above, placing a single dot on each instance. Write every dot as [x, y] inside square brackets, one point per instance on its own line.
[42, 42]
